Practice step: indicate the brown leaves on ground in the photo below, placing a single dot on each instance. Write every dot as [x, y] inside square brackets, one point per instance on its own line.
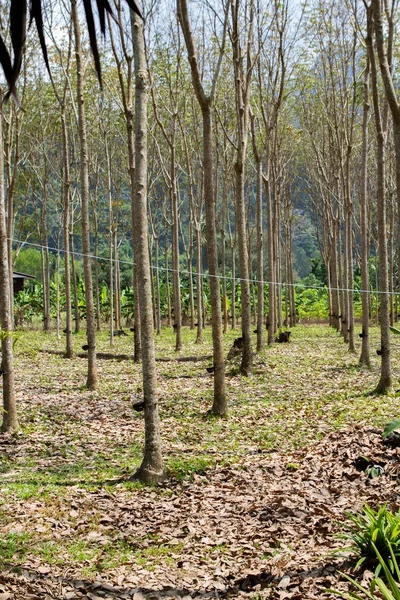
[262, 494]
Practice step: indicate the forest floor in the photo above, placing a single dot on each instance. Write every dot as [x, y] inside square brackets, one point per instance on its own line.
[252, 503]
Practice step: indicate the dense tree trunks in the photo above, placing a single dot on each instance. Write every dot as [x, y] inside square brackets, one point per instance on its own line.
[151, 469]
[92, 378]
[10, 419]
[364, 254]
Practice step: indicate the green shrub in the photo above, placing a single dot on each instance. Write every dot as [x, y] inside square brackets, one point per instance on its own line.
[388, 589]
[374, 531]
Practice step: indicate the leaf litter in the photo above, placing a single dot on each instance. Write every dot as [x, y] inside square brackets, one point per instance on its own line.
[252, 504]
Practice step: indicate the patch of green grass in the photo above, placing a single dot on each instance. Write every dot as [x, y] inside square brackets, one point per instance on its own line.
[184, 467]
[5, 466]
[158, 553]
[81, 551]
[50, 552]
[93, 471]
[13, 546]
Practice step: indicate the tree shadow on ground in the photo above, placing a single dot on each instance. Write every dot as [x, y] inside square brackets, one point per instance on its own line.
[23, 581]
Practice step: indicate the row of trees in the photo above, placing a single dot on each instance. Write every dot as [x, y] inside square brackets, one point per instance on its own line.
[258, 119]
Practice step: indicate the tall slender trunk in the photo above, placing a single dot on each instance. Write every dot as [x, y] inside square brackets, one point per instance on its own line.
[167, 290]
[335, 277]
[137, 351]
[260, 260]
[385, 381]
[271, 265]
[233, 292]
[96, 269]
[220, 402]
[242, 74]
[66, 211]
[45, 252]
[11, 145]
[77, 316]
[199, 286]
[10, 418]
[175, 244]
[364, 358]
[151, 469]
[92, 378]
[158, 300]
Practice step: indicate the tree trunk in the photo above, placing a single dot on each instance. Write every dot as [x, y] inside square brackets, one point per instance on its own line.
[364, 358]
[75, 284]
[260, 260]
[66, 214]
[220, 403]
[199, 286]
[385, 382]
[151, 469]
[271, 266]
[10, 419]
[96, 268]
[92, 378]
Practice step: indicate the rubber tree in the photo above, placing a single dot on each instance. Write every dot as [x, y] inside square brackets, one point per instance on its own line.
[243, 68]
[10, 418]
[206, 102]
[92, 377]
[151, 468]
[385, 381]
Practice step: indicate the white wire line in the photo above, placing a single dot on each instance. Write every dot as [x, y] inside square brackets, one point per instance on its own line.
[195, 273]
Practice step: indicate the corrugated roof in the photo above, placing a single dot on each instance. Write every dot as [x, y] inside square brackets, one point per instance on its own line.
[17, 275]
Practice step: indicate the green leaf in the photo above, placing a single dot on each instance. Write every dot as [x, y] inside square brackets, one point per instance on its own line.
[389, 577]
[394, 330]
[390, 427]
[384, 589]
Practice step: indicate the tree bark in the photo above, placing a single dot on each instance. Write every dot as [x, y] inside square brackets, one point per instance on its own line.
[242, 76]
[10, 418]
[66, 219]
[220, 402]
[365, 357]
[385, 381]
[151, 469]
[92, 377]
